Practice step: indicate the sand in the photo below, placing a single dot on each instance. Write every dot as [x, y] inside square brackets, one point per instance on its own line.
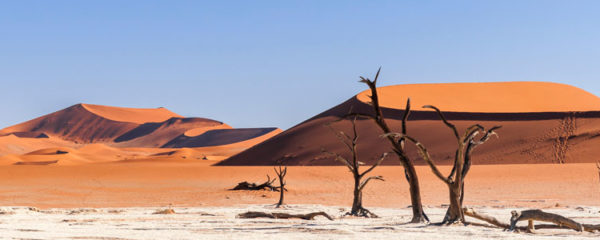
[100, 172]
[541, 123]
[117, 201]
[86, 133]
[491, 97]
[194, 182]
[134, 115]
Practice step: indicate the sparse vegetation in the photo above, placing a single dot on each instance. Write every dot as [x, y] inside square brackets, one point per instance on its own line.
[353, 165]
[466, 143]
[398, 148]
[281, 171]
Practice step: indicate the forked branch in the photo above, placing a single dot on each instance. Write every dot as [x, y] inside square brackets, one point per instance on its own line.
[364, 182]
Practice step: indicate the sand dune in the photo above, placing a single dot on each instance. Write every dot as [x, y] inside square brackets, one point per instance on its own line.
[133, 115]
[76, 124]
[158, 134]
[491, 97]
[535, 136]
[219, 137]
[86, 133]
[11, 144]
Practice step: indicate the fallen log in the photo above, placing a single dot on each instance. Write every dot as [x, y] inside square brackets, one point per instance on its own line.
[308, 216]
[539, 215]
[491, 220]
[268, 185]
[531, 215]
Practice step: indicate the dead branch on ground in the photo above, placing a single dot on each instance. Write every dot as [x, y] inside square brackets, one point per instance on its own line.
[560, 222]
[308, 216]
[268, 185]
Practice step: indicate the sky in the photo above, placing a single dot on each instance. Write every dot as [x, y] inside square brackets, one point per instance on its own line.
[278, 63]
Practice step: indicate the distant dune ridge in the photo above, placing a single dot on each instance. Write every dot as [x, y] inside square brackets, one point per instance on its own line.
[542, 123]
[87, 133]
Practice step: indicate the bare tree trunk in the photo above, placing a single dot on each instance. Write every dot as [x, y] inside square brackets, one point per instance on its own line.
[398, 147]
[415, 194]
[462, 162]
[281, 172]
[281, 191]
[454, 214]
[354, 165]
[357, 201]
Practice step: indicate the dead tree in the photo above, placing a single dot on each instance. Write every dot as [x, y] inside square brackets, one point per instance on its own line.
[598, 167]
[353, 165]
[281, 171]
[531, 215]
[398, 148]
[462, 162]
[268, 185]
[308, 216]
[539, 215]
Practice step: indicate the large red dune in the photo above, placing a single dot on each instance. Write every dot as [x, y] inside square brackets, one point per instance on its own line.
[541, 123]
[86, 133]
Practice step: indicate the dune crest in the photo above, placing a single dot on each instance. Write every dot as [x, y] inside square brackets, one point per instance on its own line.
[133, 115]
[491, 97]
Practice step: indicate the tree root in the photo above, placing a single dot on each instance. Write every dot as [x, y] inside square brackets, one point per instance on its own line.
[308, 216]
[560, 222]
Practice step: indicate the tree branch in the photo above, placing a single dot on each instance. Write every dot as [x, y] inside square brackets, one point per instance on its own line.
[341, 159]
[364, 182]
[424, 154]
[450, 125]
[340, 136]
[374, 164]
[405, 116]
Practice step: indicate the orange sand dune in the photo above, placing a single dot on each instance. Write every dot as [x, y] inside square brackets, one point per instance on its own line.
[12, 144]
[492, 97]
[221, 137]
[76, 124]
[99, 134]
[181, 155]
[157, 134]
[134, 115]
[541, 135]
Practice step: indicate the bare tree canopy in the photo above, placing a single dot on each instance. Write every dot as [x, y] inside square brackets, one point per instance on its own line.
[281, 171]
[353, 165]
[398, 148]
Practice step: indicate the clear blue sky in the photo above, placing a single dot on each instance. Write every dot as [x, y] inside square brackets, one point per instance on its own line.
[277, 63]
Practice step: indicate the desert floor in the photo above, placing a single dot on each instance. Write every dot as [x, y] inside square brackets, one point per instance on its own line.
[223, 223]
[117, 201]
[152, 184]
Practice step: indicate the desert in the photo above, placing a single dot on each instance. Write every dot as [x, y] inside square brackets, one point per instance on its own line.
[143, 120]
[135, 162]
